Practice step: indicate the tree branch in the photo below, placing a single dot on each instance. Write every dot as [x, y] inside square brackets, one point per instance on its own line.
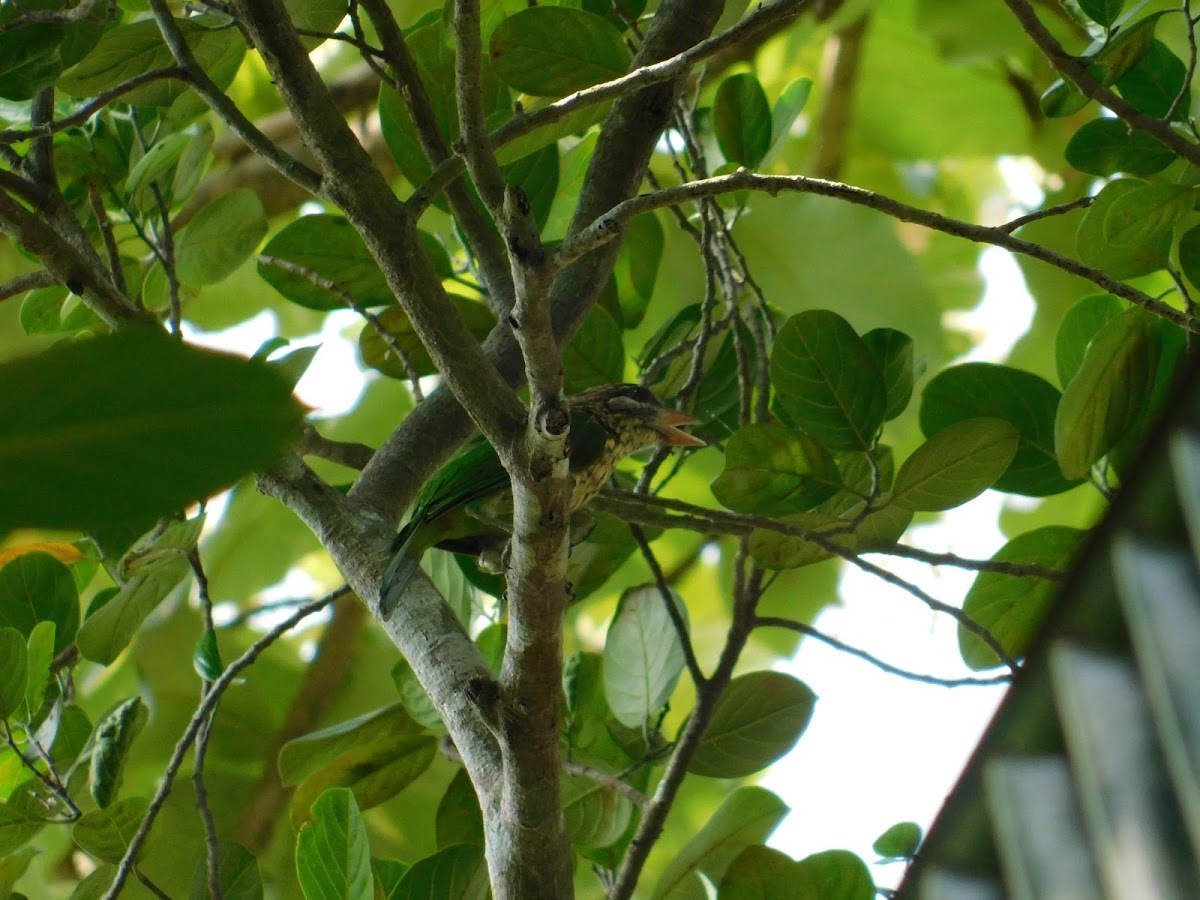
[31, 281]
[610, 225]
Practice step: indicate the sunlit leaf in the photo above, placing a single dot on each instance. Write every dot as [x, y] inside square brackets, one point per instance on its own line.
[550, 51]
[333, 859]
[106, 833]
[771, 470]
[643, 656]
[956, 464]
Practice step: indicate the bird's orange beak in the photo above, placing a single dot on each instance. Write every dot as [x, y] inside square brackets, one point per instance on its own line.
[667, 423]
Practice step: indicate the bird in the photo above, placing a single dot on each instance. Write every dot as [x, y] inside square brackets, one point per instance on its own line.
[466, 507]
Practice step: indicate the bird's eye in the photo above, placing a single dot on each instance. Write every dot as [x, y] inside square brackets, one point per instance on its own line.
[640, 394]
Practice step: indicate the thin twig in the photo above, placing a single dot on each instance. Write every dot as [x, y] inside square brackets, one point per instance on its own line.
[668, 599]
[207, 704]
[1021, 221]
[28, 282]
[810, 631]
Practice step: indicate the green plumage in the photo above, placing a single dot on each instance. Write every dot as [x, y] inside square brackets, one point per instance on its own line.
[466, 506]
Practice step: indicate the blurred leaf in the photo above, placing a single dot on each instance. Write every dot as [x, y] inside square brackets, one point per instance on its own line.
[12, 867]
[454, 873]
[40, 656]
[596, 814]
[388, 873]
[596, 355]
[1103, 12]
[237, 875]
[29, 59]
[1105, 147]
[1143, 214]
[893, 352]
[459, 820]
[14, 672]
[788, 107]
[122, 448]
[1154, 82]
[643, 657]
[1107, 61]
[758, 719]
[1012, 608]
[377, 354]
[837, 875]
[747, 816]
[551, 51]
[1118, 260]
[955, 465]
[206, 659]
[761, 873]
[333, 860]
[304, 756]
[899, 842]
[637, 267]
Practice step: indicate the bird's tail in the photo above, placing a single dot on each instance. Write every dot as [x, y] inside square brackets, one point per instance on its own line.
[404, 562]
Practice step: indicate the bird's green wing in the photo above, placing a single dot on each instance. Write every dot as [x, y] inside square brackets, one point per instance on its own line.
[474, 473]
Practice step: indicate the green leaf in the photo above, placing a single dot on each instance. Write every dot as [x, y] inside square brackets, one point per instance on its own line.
[771, 470]
[415, 698]
[1102, 12]
[574, 165]
[377, 354]
[237, 875]
[1108, 59]
[758, 719]
[1104, 147]
[637, 267]
[12, 867]
[773, 550]
[14, 672]
[156, 167]
[837, 875]
[114, 736]
[206, 659]
[149, 425]
[899, 842]
[329, 246]
[956, 464]
[788, 107]
[596, 355]
[304, 756]
[537, 175]
[827, 381]
[1155, 81]
[893, 352]
[96, 885]
[454, 873]
[1027, 402]
[220, 237]
[459, 820]
[643, 657]
[17, 826]
[596, 814]
[130, 50]
[333, 859]
[742, 120]
[762, 873]
[1109, 391]
[551, 51]
[152, 573]
[747, 816]
[1080, 325]
[1012, 608]
[1118, 260]
[106, 833]
[1189, 254]
[40, 656]
[29, 59]
[388, 873]
[1141, 216]
[36, 587]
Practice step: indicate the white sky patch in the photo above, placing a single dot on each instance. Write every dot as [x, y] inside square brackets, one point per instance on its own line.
[1004, 313]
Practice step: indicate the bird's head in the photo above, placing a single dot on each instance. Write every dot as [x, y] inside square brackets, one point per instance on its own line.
[635, 417]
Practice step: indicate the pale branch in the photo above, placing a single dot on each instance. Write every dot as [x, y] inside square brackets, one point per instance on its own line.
[667, 513]
[664, 592]
[611, 224]
[93, 106]
[488, 250]
[207, 704]
[344, 453]
[473, 144]
[530, 318]
[626, 141]
[810, 631]
[1076, 71]
[1020, 221]
[604, 779]
[387, 227]
[766, 18]
[222, 104]
[31, 281]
